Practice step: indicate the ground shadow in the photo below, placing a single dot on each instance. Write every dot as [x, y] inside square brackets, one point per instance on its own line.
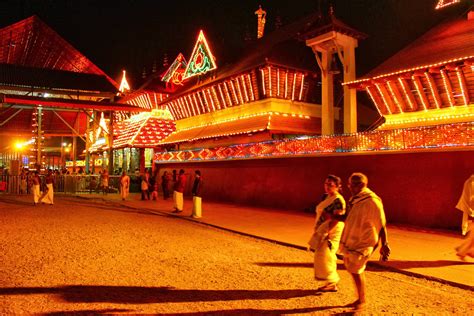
[144, 295]
[407, 264]
[258, 311]
[340, 266]
[89, 312]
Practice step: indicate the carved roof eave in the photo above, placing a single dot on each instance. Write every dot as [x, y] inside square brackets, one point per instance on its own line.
[360, 84]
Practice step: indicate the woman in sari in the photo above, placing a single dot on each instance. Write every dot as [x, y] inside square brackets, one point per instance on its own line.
[327, 234]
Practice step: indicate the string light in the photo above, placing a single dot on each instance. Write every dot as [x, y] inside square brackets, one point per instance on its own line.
[421, 94]
[462, 84]
[201, 60]
[251, 87]
[301, 89]
[447, 87]
[456, 135]
[434, 91]
[407, 92]
[383, 98]
[392, 92]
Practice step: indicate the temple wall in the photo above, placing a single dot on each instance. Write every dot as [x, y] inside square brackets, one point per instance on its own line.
[419, 189]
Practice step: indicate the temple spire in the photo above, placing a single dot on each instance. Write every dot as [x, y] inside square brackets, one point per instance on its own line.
[124, 87]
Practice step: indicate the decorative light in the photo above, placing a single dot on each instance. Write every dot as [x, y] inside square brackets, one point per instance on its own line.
[244, 88]
[270, 81]
[394, 96]
[301, 89]
[447, 87]
[124, 84]
[377, 85]
[462, 84]
[201, 60]
[434, 91]
[429, 138]
[176, 70]
[444, 3]
[435, 65]
[251, 87]
[408, 94]
[263, 82]
[421, 94]
[286, 84]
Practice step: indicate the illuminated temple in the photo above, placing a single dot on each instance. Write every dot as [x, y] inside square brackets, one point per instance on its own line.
[267, 129]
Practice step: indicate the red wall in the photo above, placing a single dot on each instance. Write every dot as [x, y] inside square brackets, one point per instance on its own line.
[419, 189]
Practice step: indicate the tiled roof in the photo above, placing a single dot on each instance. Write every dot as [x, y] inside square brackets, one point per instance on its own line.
[32, 43]
[272, 122]
[142, 130]
[448, 41]
[20, 76]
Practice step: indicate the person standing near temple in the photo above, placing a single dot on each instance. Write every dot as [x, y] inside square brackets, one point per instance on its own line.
[124, 185]
[466, 205]
[197, 199]
[364, 227]
[35, 184]
[23, 182]
[104, 181]
[48, 196]
[179, 192]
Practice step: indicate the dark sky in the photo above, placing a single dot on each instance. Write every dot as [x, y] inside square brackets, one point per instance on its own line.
[132, 34]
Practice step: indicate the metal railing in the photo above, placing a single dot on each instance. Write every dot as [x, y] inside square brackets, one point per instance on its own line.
[69, 184]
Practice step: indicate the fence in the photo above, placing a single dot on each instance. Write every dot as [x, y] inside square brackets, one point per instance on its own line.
[70, 184]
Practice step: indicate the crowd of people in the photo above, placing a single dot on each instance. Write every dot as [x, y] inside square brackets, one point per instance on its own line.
[175, 182]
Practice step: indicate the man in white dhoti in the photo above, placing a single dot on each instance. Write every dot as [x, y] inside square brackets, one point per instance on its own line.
[124, 185]
[466, 205]
[48, 196]
[36, 182]
[364, 225]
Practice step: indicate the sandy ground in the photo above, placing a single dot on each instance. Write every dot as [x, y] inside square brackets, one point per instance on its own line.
[82, 258]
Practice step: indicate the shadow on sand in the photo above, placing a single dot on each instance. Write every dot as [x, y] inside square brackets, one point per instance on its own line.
[144, 295]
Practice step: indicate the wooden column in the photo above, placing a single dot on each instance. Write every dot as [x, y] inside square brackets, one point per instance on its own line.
[327, 95]
[111, 142]
[350, 95]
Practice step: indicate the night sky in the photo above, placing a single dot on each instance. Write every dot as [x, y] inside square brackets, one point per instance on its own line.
[133, 34]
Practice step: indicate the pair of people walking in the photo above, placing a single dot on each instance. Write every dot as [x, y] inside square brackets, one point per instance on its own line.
[354, 232]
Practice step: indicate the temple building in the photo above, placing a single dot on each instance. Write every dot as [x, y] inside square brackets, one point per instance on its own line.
[278, 102]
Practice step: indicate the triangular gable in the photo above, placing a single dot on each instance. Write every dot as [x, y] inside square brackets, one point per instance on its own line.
[175, 72]
[201, 60]
[32, 43]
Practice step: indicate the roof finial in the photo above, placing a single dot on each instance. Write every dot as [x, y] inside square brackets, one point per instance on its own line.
[261, 15]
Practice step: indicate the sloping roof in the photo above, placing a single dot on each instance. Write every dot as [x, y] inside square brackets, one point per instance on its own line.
[265, 122]
[453, 40]
[21, 123]
[142, 130]
[20, 76]
[32, 43]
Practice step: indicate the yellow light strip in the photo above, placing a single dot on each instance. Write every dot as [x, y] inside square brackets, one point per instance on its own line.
[263, 82]
[224, 103]
[301, 90]
[214, 95]
[293, 87]
[231, 103]
[251, 87]
[434, 92]
[462, 84]
[244, 88]
[234, 93]
[212, 100]
[278, 82]
[420, 91]
[447, 87]
[377, 85]
[286, 84]
[392, 93]
[408, 94]
[373, 100]
[270, 80]
[239, 90]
